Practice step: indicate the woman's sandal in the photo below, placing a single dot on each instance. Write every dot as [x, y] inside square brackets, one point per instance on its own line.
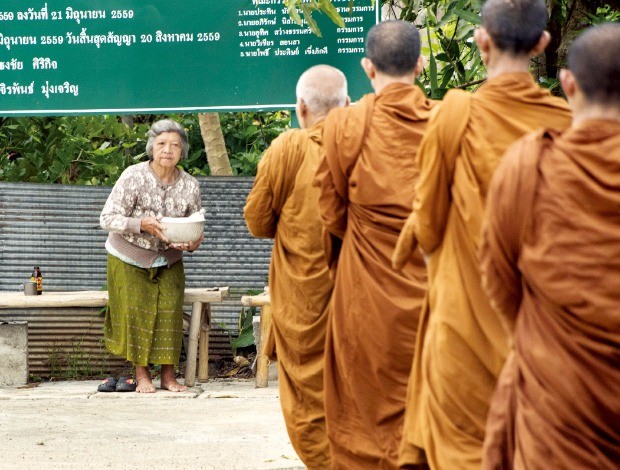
[126, 384]
[108, 385]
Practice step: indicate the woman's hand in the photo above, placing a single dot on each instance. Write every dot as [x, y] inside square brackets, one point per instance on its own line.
[154, 227]
[191, 246]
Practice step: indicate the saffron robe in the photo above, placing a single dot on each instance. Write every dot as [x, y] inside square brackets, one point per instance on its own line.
[367, 185]
[461, 345]
[283, 205]
[551, 267]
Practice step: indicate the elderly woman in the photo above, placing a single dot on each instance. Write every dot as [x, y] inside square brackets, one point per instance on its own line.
[146, 281]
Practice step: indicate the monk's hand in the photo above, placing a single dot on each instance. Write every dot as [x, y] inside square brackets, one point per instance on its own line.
[405, 245]
[153, 226]
[189, 246]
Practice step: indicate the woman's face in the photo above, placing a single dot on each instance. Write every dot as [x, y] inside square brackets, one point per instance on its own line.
[167, 149]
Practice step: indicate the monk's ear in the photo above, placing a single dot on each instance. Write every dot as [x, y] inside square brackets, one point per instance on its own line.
[348, 101]
[303, 107]
[369, 68]
[302, 112]
[541, 45]
[483, 40]
[568, 82]
[419, 67]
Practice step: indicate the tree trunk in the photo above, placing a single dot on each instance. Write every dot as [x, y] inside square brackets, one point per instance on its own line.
[127, 119]
[567, 18]
[213, 138]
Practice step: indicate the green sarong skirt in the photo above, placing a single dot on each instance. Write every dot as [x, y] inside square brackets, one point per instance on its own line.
[144, 317]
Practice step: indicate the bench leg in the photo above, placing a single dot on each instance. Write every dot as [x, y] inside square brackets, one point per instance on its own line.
[192, 350]
[262, 362]
[203, 344]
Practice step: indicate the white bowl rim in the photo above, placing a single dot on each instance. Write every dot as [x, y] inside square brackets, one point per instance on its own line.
[180, 220]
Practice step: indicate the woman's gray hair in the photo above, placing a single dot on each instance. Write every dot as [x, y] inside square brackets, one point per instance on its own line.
[166, 125]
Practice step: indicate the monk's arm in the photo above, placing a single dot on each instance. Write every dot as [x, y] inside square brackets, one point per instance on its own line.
[270, 189]
[406, 243]
[332, 206]
[500, 241]
[431, 203]
[331, 176]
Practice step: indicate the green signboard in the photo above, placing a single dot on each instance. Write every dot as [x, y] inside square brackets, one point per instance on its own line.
[145, 56]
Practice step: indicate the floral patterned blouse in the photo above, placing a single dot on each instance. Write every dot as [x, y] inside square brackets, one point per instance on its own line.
[139, 193]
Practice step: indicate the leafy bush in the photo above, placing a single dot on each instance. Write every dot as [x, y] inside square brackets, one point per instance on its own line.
[447, 30]
[94, 150]
[247, 135]
[71, 149]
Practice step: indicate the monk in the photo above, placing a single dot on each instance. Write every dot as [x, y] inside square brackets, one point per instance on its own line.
[551, 266]
[366, 181]
[462, 345]
[283, 205]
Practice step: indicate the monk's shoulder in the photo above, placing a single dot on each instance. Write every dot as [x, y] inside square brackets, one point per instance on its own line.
[290, 136]
[352, 115]
[449, 116]
[562, 114]
[288, 144]
[526, 151]
[456, 94]
[455, 102]
[558, 102]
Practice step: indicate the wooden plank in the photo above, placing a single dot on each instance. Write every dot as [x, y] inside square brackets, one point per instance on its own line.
[262, 361]
[208, 294]
[259, 300]
[95, 298]
[192, 352]
[203, 344]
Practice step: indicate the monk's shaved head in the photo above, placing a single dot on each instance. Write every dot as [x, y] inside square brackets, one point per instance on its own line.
[515, 26]
[322, 88]
[393, 47]
[594, 60]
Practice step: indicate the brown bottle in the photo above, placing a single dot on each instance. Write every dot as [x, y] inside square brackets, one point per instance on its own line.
[38, 278]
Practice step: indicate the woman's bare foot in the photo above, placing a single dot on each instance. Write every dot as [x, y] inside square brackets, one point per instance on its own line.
[143, 379]
[169, 381]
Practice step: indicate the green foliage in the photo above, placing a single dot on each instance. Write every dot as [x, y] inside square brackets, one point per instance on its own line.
[246, 332]
[71, 149]
[246, 327]
[247, 136]
[77, 363]
[447, 29]
[605, 14]
[552, 84]
[94, 150]
[308, 7]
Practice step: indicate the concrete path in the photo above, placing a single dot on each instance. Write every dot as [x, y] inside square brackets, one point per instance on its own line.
[222, 424]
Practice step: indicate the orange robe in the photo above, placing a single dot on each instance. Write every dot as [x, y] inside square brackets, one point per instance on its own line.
[461, 345]
[551, 266]
[367, 186]
[283, 205]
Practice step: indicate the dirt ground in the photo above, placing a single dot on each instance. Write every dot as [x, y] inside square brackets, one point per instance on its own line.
[221, 424]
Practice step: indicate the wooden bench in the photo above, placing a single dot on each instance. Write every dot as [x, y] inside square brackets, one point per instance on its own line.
[262, 361]
[199, 323]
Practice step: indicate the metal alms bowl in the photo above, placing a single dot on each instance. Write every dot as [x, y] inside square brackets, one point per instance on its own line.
[182, 230]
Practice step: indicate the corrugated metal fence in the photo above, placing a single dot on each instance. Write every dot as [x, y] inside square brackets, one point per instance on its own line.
[55, 227]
